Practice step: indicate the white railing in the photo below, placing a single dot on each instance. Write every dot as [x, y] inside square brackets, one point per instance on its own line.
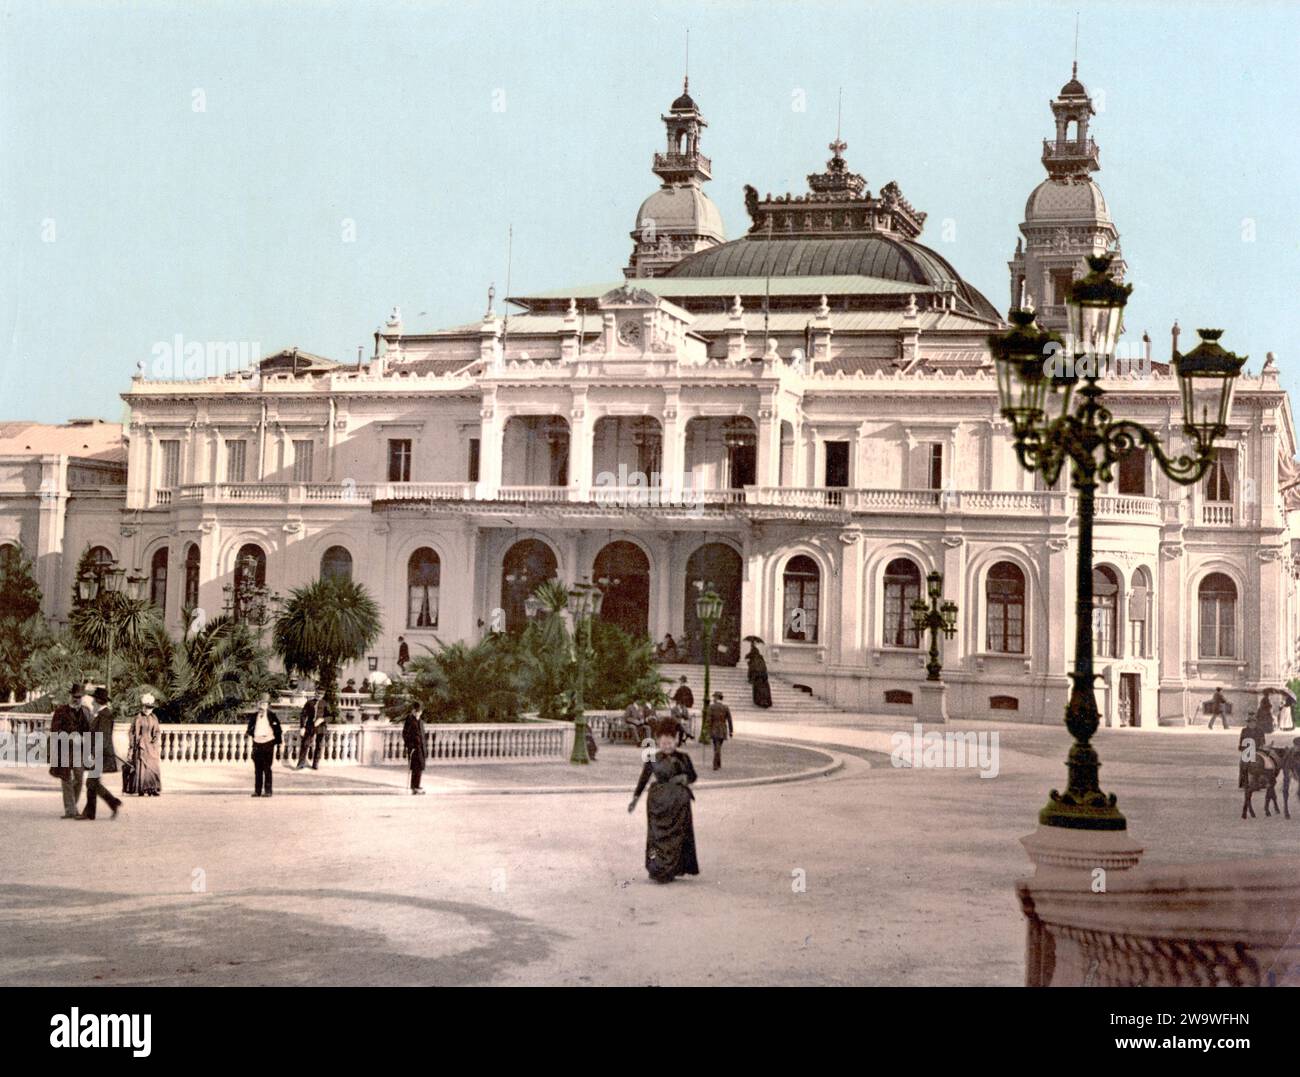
[163, 497]
[370, 743]
[533, 493]
[505, 743]
[869, 500]
[1127, 505]
[1217, 514]
[802, 497]
[424, 491]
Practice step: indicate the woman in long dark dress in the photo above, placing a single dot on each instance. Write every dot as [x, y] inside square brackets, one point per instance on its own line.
[762, 690]
[670, 829]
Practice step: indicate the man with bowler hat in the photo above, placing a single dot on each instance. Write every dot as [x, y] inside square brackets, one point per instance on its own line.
[101, 730]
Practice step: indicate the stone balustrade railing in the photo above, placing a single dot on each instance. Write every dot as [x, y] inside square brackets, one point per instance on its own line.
[844, 499]
[370, 743]
[1217, 923]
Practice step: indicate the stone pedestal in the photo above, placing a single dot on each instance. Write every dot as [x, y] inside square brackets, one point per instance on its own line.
[1071, 862]
[932, 702]
[1057, 850]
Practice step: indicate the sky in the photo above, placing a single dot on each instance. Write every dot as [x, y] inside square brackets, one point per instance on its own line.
[284, 174]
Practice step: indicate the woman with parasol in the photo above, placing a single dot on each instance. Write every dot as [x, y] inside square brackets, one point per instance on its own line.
[757, 675]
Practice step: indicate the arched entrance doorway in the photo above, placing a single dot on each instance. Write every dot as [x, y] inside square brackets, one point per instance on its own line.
[622, 571]
[714, 566]
[525, 567]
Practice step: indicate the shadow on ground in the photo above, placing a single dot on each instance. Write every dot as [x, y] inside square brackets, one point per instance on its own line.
[58, 936]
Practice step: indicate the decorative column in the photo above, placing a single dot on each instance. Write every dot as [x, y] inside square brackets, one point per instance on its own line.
[735, 332]
[580, 449]
[491, 434]
[819, 340]
[767, 471]
[673, 479]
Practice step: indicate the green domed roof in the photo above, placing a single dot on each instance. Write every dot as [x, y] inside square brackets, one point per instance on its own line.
[882, 256]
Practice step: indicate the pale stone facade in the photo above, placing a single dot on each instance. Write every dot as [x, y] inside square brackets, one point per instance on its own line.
[814, 410]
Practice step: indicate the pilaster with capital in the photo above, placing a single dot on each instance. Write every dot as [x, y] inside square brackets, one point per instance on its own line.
[580, 446]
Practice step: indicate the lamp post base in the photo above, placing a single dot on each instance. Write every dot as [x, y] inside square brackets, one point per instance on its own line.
[579, 754]
[1060, 849]
[932, 702]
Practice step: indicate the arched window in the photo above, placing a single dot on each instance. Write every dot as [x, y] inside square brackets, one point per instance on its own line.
[902, 588]
[527, 565]
[250, 576]
[423, 573]
[1218, 606]
[802, 586]
[1105, 612]
[192, 576]
[1004, 591]
[1139, 613]
[100, 557]
[158, 580]
[336, 564]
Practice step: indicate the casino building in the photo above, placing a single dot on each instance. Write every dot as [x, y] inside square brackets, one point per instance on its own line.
[803, 418]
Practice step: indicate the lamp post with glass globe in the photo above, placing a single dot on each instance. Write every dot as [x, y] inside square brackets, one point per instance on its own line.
[584, 604]
[708, 611]
[1036, 387]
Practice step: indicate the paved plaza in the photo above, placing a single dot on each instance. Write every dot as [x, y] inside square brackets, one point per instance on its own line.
[868, 874]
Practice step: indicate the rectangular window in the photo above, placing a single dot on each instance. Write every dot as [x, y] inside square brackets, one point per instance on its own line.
[302, 453]
[837, 463]
[473, 459]
[1133, 473]
[1218, 480]
[1218, 626]
[1061, 281]
[171, 464]
[1138, 604]
[935, 466]
[399, 460]
[236, 456]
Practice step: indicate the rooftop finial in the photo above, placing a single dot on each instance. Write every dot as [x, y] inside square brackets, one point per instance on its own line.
[1074, 73]
[686, 72]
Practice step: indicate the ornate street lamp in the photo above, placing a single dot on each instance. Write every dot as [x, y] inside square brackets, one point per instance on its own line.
[100, 585]
[938, 615]
[708, 611]
[1093, 440]
[584, 604]
[532, 606]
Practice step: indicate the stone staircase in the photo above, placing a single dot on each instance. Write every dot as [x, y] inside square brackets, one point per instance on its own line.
[787, 701]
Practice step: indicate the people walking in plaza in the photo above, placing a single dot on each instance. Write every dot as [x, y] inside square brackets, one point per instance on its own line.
[264, 728]
[757, 675]
[413, 734]
[720, 727]
[683, 701]
[311, 729]
[1264, 714]
[1249, 744]
[670, 828]
[403, 653]
[71, 721]
[1219, 708]
[101, 730]
[145, 758]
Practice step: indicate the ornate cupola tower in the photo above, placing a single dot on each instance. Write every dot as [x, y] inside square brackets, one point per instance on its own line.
[678, 219]
[1066, 218]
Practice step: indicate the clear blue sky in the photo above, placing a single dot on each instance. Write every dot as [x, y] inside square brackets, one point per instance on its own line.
[434, 126]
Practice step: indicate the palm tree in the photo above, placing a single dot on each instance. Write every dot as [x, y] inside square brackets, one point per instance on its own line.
[323, 625]
[481, 682]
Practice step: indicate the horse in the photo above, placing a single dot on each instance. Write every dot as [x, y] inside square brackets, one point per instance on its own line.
[1263, 772]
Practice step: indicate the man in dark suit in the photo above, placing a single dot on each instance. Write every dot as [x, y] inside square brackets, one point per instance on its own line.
[1219, 708]
[413, 738]
[101, 731]
[311, 729]
[403, 653]
[264, 728]
[67, 724]
[720, 727]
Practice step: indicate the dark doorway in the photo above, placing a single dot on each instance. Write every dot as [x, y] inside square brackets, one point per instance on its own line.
[622, 571]
[1130, 699]
[744, 466]
[714, 566]
[837, 463]
[525, 567]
